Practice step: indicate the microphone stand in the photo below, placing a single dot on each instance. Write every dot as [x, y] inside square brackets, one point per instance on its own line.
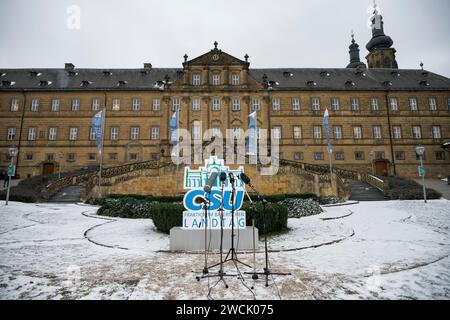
[267, 271]
[255, 275]
[221, 274]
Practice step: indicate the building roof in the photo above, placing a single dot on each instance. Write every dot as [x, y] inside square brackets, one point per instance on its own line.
[276, 79]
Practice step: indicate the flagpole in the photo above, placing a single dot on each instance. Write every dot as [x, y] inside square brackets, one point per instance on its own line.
[256, 148]
[103, 147]
[178, 160]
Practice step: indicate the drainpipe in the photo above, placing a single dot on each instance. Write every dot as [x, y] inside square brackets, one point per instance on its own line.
[21, 128]
[390, 133]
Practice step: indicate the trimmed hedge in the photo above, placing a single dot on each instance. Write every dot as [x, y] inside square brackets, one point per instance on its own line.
[126, 207]
[276, 216]
[406, 189]
[21, 194]
[167, 215]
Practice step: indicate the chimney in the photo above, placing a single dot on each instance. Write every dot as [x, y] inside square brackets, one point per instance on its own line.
[69, 66]
[147, 66]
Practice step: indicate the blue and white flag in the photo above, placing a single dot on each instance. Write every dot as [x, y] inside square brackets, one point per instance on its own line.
[174, 125]
[97, 127]
[327, 131]
[252, 146]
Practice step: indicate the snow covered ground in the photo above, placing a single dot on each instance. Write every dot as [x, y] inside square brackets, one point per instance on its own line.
[371, 250]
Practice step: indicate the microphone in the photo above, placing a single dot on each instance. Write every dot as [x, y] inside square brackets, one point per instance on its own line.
[200, 200]
[231, 175]
[245, 178]
[209, 184]
[223, 176]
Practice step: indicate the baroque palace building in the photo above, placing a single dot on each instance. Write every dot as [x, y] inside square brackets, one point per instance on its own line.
[378, 113]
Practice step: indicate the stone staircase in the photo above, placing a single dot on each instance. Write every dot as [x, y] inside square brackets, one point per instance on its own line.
[362, 191]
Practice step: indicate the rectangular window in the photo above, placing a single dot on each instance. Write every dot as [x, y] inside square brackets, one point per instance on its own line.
[296, 104]
[276, 104]
[216, 132]
[75, 104]
[235, 104]
[440, 155]
[116, 104]
[216, 79]
[379, 155]
[335, 104]
[357, 132]
[136, 104]
[155, 133]
[215, 104]
[339, 156]
[156, 105]
[359, 155]
[92, 134]
[399, 155]
[318, 156]
[92, 156]
[337, 132]
[393, 102]
[315, 104]
[235, 79]
[133, 157]
[95, 104]
[73, 132]
[114, 133]
[196, 79]
[29, 157]
[236, 133]
[154, 156]
[196, 104]
[14, 105]
[71, 157]
[255, 104]
[355, 104]
[374, 104]
[50, 157]
[31, 134]
[276, 133]
[11, 134]
[298, 156]
[416, 132]
[113, 156]
[52, 133]
[413, 104]
[377, 132]
[297, 132]
[176, 104]
[397, 132]
[196, 132]
[432, 103]
[55, 105]
[436, 131]
[134, 133]
[35, 105]
[317, 132]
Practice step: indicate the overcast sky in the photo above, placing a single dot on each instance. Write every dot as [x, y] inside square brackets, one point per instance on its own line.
[281, 33]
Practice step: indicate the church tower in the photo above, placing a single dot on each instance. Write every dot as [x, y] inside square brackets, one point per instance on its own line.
[355, 61]
[381, 54]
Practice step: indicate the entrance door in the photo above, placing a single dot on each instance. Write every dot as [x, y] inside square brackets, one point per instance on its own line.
[48, 168]
[381, 168]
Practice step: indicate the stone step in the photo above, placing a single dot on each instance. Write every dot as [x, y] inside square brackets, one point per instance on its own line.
[361, 191]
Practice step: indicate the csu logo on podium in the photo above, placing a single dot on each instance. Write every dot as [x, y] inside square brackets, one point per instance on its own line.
[195, 180]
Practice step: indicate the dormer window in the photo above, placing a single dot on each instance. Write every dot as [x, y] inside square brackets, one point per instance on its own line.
[349, 83]
[395, 74]
[288, 74]
[122, 83]
[196, 79]
[107, 73]
[35, 74]
[360, 72]
[44, 83]
[324, 74]
[85, 83]
[72, 73]
[387, 83]
[7, 83]
[311, 83]
[424, 83]
[2, 74]
[235, 79]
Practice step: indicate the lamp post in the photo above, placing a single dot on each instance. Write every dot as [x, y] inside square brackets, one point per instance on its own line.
[420, 150]
[61, 157]
[11, 170]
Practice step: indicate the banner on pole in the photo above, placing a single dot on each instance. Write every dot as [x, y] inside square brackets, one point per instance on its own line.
[97, 127]
[327, 131]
